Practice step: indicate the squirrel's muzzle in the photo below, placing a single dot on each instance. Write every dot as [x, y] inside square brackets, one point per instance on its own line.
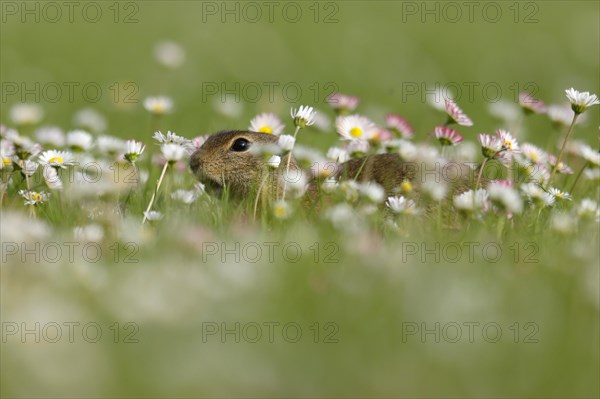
[195, 162]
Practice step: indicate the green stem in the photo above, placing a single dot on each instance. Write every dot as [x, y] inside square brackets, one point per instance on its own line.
[562, 150]
[287, 165]
[258, 195]
[162, 175]
[577, 177]
[480, 174]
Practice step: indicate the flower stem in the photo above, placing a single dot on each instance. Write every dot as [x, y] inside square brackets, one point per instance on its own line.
[578, 176]
[287, 165]
[154, 194]
[480, 173]
[562, 150]
[258, 192]
[31, 206]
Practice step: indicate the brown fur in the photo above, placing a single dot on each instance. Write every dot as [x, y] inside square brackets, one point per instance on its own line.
[217, 165]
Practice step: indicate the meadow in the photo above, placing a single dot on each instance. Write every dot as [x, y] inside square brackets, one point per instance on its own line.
[122, 276]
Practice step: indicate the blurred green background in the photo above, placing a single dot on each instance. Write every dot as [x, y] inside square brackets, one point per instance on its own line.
[389, 53]
[377, 50]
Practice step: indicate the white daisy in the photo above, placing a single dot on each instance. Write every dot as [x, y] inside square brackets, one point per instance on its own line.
[355, 127]
[588, 208]
[52, 178]
[281, 209]
[304, 116]
[505, 197]
[563, 223]
[57, 159]
[559, 195]
[338, 155]
[50, 135]
[490, 145]
[171, 137]
[589, 154]
[537, 195]
[90, 233]
[34, 197]
[153, 216]
[534, 154]
[274, 161]
[228, 105]
[580, 101]
[79, 140]
[286, 142]
[373, 191]
[26, 114]
[266, 123]
[401, 205]
[472, 200]
[158, 105]
[296, 182]
[173, 152]
[509, 143]
[7, 151]
[562, 115]
[89, 118]
[592, 174]
[133, 150]
[29, 167]
[169, 54]
[110, 145]
[436, 190]
[186, 196]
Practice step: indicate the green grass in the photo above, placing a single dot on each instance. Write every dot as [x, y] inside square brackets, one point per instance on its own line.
[175, 278]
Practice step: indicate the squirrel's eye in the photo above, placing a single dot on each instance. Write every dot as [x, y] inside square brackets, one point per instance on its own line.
[240, 145]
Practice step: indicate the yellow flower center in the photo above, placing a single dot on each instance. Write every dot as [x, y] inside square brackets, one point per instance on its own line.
[280, 211]
[356, 132]
[158, 108]
[36, 197]
[56, 160]
[406, 186]
[6, 161]
[535, 157]
[265, 129]
[560, 165]
[508, 144]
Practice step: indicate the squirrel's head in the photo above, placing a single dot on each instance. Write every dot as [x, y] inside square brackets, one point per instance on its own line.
[227, 158]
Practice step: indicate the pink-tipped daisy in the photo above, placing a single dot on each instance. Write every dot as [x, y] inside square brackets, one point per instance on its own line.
[455, 114]
[266, 123]
[447, 136]
[355, 127]
[342, 102]
[531, 105]
[400, 125]
[509, 143]
[533, 154]
[561, 167]
[490, 145]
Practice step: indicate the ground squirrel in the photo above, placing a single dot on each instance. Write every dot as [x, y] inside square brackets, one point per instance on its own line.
[226, 159]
